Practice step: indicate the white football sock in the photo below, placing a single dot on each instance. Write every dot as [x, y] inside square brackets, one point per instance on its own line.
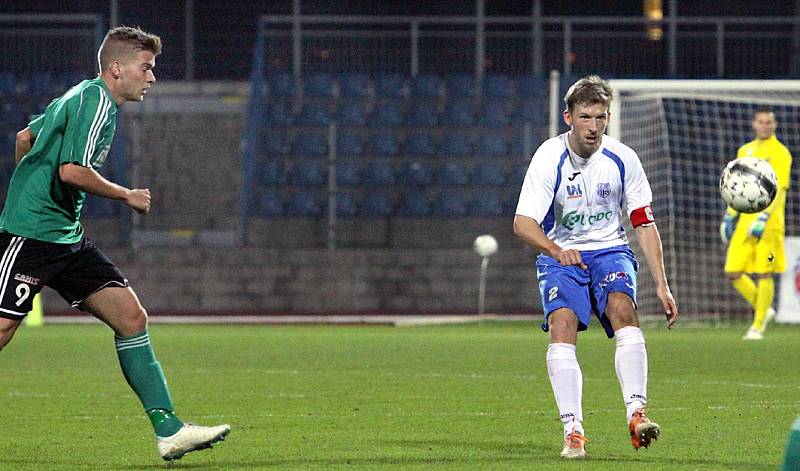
[567, 381]
[630, 361]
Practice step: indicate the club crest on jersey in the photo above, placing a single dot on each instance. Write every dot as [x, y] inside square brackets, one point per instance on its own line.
[574, 191]
[604, 190]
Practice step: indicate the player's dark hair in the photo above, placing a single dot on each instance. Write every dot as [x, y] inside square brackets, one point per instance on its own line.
[764, 109]
[124, 41]
[590, 90]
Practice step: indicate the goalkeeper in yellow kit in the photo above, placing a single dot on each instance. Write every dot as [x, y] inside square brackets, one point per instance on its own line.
[755, 241]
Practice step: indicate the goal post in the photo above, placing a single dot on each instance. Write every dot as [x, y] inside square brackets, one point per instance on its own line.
[685, 131]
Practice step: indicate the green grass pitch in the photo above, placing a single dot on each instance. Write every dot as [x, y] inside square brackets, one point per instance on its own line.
[451, 397]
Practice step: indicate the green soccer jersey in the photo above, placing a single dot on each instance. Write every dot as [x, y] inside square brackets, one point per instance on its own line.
[76, 128]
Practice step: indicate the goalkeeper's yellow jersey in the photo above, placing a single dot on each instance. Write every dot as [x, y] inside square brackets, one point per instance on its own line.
[779, 157]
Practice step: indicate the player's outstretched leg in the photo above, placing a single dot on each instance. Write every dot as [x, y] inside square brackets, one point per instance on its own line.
[643, 430]
[191, 437]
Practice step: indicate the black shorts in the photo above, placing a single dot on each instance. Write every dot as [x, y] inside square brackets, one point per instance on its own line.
[74, 270]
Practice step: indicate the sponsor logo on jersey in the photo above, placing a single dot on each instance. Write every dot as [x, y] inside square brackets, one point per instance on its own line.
[26, 279]
[613, 276]
[573, 176]
[574, 218]
[604, 190]
[574, 191]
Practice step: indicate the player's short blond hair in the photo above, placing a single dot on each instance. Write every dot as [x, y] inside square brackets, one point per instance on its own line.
[124, 41]
[590, 90]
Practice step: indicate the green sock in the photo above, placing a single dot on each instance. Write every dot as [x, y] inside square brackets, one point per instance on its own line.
[146, 378]
[792, 459]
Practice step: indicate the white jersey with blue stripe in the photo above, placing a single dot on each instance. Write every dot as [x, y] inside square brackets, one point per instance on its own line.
[579, 201]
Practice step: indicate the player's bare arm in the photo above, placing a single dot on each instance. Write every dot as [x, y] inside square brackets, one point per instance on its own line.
[529, 231]
[650, 242]
[88, 180]
[24, 143]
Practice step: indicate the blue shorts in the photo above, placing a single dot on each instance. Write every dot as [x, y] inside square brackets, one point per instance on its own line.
[586, 291]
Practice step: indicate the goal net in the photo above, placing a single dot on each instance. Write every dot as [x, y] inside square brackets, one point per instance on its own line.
[685, 131]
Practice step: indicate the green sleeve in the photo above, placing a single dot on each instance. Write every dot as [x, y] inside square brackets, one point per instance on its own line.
[87, 117]
[37, 121]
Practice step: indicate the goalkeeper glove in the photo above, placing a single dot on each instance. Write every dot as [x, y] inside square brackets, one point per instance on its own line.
[727, 226]
[757, 227]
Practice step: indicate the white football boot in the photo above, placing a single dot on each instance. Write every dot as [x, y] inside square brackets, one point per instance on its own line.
[753, 334]
[574, 447]
[190, 437]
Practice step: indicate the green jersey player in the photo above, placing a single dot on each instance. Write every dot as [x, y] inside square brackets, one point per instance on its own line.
[42, 240]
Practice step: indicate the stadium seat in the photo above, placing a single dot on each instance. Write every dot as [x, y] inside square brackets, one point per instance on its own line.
[492, 144]
[425, 86]
[95, 206]
[377, 204]
[8, 85]
[460, 85]
[423, 114]
[275, 143]
[533, 86]
[351, 113]
[458, 113]
[279, 113]
[271, 173]
[416, 173]
[8, 142]
[345, 205]
[497, 85]
[452, 173]
[378, 173]
[269, 204]
[488, 173]
[517, 174]
[307, 173]
[318, 85]
[532, 111]
[40, 83]
[494, 113]
[450, 204]
[311, 144]
[303, 203]
[511, 200]
[389, 113]
[314, 114]
[354, 85]
[389, 85]
[455, 144]
[347, 173]
[414, 203]
[486, 204]
[383, 144]
[282, 85]
[419, 144]
[539, 135]
[349, 144]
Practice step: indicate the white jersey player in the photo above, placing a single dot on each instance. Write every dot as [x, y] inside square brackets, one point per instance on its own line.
[578, 187]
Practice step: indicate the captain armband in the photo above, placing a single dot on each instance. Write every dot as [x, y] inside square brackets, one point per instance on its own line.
[642, 216]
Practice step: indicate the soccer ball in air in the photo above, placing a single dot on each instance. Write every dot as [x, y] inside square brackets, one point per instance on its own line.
[485, 245]
[748, 184]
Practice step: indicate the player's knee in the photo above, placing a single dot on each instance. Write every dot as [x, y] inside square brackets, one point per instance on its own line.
[621, 311]
[7, 330]
[134, 322]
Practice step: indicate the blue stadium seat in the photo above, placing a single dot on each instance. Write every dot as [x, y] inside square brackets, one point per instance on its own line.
[307, 173]
[488, 173]
[460, 85]
[533, 86]
[349, 144]
[458, 113]
[303, 203]
[497, 85]
[425, 86]
[423, 114]
[8, 142]
[354, 85]
[279, 113]
[282, 85]
[383, 144]
[347, 173]
[95, 206]
[269, 204]
[311, 144]
[275, 143]
[377, 204]
[314, 114]
[414, 203]
[419, 144]
[517, 174]
[452, 173]
[40, 83]
[532, 111]
[416, 173]
[510, 203]
[494, 113]
[345, 205]
[492, 144]
[450, 204]
[455, 144]
[318, 85]
[486, 204]
[538, 136]
[8, 84]
[389, 85]
[389, 113]
[271, 173]
[351, 113]
[378, 173]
